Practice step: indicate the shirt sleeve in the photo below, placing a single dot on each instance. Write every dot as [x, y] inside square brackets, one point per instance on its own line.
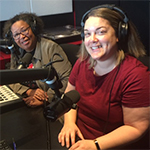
[74, 73]
[136, 88]
[16, 87]
[51, 51]
[63, 68]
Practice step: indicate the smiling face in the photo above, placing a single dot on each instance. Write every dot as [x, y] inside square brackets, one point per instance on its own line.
[23, 35]
[100, 39]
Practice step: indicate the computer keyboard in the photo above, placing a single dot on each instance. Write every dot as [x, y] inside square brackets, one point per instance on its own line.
[9, 100]
[4, 145]
[6, 94]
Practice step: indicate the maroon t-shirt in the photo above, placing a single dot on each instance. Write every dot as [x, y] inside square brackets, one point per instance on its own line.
[130, 89]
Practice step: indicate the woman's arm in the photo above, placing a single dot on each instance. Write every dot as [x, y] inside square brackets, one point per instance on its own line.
[70, 128]
[71, 115]
[136, 122]
[53, 52]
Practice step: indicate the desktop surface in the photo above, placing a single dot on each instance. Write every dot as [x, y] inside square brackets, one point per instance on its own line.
[64, 34]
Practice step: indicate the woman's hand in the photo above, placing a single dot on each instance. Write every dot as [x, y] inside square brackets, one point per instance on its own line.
[37, 94]
[69, 132]
[84, 145]
[35, 97]
[32, 102]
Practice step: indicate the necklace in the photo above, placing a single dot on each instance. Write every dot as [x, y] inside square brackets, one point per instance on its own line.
[99, 71]
[102, 71]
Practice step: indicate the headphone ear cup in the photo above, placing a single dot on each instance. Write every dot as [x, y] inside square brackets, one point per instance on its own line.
[122, 30]
[33, 26]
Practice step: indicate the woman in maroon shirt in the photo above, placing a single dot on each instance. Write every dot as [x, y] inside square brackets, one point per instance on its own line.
[113, 109]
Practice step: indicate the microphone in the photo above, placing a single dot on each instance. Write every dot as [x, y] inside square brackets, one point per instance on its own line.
[54, 82]
[9, 76]
[10, 45]
[25, 61]
[5, 42]
[48, 74]
[59, 107]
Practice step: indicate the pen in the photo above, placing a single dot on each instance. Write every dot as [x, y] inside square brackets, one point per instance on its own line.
[14, 144]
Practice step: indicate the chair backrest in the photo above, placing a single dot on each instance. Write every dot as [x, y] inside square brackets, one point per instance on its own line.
[71, 51]
[145, 60]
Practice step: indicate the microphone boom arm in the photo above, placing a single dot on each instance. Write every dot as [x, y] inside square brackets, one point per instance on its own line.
[53, 81]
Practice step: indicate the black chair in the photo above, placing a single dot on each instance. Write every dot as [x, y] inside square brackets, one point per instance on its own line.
[71, 51]
[145, 60]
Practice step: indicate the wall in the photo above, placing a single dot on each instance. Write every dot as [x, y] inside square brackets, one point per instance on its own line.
[10, 8]
[138, 12]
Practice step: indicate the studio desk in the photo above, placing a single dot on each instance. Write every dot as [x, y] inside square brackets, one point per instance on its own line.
[27, 127]
[64, 34]
[30, 129]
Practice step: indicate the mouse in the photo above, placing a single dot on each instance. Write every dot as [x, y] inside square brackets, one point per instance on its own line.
[69, 26]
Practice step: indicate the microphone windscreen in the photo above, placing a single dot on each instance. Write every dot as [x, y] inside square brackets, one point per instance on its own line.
[25, 60]
[73, 95]
[59, 107]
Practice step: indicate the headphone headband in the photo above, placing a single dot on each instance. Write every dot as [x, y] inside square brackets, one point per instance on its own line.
[112, 7]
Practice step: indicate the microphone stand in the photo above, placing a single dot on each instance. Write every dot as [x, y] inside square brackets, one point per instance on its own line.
[55, 84]
[48, 128]
[48, 131]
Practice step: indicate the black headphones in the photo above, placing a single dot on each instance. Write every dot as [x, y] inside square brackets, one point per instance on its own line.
[33, 26]
[123, 25]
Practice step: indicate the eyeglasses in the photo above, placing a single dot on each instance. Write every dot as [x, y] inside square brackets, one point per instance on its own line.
[24, 32]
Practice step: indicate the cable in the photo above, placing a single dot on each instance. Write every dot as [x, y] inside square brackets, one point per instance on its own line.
[51, 61]
[110, 99]
[48, 129]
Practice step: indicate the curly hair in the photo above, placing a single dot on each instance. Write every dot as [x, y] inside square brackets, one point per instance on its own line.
[31, 19]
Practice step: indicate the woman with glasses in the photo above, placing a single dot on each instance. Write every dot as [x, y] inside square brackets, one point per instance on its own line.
[24, 30]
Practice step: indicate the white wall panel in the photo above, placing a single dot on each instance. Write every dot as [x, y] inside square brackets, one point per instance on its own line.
[47, 7]
[9, 8]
